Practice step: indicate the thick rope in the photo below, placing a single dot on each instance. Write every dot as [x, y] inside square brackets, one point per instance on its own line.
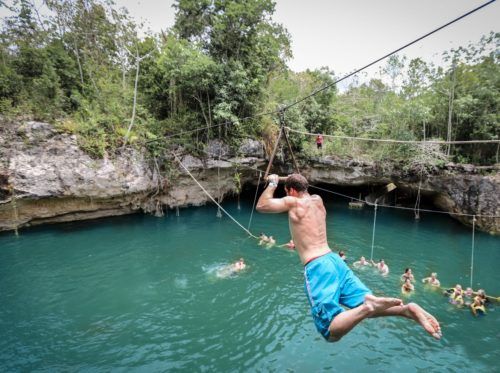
[254, 200]
[389, 54]
[472, 250]
[338, 80]
[213, 200]
[14, 196]
[373, 232]
[417, 202]
[397, 141]
[403, 208]
[270, 164]
[360, 200]
[219, 214]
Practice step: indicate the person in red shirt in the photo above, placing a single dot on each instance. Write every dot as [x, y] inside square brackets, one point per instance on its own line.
[319, 141]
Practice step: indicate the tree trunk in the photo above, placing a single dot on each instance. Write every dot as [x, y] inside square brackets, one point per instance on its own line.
[171, 95]
[209, 117]
[79, 64]
[450, 111]
[138, 62]
[123, 76]
[207, 120]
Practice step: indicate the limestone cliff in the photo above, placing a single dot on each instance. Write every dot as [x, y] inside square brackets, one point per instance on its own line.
[460, 189]
[45, 178]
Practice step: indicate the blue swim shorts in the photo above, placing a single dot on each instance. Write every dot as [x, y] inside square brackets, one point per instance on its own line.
[330, 283]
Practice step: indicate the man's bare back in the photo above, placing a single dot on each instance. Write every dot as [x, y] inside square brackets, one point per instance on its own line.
[307, 220]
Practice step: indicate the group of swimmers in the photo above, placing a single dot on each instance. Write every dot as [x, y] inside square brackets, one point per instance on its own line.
[381, 266]
[233, 268]
[475, 300]
[266, 240]
[269, 241]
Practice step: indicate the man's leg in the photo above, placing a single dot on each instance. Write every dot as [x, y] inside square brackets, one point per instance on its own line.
[373, 306]
[377, 307]
[415, 312]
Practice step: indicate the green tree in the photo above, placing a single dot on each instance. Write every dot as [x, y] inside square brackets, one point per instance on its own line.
[242, 39]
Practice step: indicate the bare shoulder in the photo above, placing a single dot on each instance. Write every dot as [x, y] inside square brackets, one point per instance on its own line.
[318, 200]
[290, 201]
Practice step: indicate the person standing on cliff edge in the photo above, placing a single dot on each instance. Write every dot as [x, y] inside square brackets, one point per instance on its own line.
[329, 282]
[319, 142]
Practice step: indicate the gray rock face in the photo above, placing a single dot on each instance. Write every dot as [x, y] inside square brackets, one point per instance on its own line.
[470, 195]
[458, 189]
[45, 178]
[58, 167]
[217, 148]
[191, 163]
[36, 131]
[251, 148]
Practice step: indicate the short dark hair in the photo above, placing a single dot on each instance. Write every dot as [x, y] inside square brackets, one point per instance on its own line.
[297, 182]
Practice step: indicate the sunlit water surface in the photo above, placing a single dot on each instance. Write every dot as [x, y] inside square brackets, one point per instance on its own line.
[140, 293]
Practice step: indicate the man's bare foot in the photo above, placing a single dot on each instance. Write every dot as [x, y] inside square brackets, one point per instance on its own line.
[428, 322]
[377, 304]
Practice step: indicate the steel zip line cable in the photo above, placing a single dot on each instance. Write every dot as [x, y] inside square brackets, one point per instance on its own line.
[338, 80]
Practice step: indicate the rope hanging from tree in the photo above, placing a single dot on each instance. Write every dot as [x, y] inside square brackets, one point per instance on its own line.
[417, 202]
[373, 231]
[393, 141]
[269, 165]
[282, 132]
[219, 213]
[212, 198]
[472, 250]
[254, 200]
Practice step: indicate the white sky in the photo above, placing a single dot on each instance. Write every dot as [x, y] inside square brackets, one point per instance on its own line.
[345, 35]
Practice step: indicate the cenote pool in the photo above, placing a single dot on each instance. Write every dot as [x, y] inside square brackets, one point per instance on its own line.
[139, 293]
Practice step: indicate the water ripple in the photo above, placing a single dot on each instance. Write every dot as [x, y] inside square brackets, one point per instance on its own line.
[138, 293]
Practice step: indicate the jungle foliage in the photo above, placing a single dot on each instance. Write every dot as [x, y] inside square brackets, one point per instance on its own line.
[82, 65]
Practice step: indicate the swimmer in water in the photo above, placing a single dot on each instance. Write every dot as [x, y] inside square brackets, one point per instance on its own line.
[468, 297]
[407, 275]
[361, 262]
[263, 239]
[231, 269]
[382, 267]
[342, 255]
[239, 265]
[289, 245]
[479, 304]
[432, 280]
[456, 296]
[407, 287]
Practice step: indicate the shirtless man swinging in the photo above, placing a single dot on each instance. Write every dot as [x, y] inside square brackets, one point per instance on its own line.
[329, 283]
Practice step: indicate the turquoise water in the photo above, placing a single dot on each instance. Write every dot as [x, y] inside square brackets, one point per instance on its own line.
[140, 293]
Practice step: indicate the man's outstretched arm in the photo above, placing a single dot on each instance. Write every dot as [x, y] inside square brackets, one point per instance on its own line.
[268, 204]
